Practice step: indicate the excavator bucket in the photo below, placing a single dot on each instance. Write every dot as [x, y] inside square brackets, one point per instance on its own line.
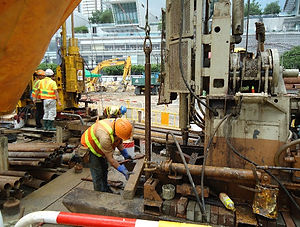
[26, 29]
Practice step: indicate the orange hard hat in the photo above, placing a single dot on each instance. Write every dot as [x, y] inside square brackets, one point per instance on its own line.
[40, 72]
[123, 128]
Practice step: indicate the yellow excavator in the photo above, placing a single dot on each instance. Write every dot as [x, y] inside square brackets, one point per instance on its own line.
[92, 83]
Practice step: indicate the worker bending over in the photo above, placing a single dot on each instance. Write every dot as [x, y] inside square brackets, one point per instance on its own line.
[48, 90]
[114, 111]
[39, 75]
[102, 138]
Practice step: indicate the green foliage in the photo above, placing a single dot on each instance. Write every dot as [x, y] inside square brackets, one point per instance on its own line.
[45, 66]
[103, 17]
[254, 8]
[135, 69]
[291, 58]
[81, 29]
[272, 8]
[113, 70]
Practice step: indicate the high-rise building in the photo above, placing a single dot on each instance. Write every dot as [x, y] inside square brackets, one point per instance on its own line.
[87, 7]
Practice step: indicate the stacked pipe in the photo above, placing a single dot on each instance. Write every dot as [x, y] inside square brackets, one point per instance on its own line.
[292, 84]
[10, 182]
[158, 134]
[36, 154]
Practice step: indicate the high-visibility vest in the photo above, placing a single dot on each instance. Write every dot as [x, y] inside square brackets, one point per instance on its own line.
[112, 111]
[47, 86]
[89, 139]
[34, 88]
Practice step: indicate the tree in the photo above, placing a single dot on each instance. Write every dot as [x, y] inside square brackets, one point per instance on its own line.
[82, 29]
[272, 8]
[45, 66]
[135, 69]
[291, 58]
[254, 8]
[103, 17]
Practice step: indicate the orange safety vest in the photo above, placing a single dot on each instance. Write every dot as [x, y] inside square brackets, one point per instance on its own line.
[46, 88]
[34, 88]
[89, 139]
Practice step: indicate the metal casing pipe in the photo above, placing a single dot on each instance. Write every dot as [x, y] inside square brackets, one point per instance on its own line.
[212, 171]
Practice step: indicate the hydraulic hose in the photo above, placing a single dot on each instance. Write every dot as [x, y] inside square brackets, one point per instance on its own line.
[202, 208]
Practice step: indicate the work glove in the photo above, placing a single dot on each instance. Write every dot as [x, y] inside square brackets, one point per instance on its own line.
[125, 154]
[122, 169]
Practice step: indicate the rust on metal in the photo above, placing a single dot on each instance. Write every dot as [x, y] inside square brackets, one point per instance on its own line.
[26, 175]
[29, 154]
[15, 182]
[244, 216]
[265, 202]
[181, 207]
[44, 175]
[222, 173]
[4, 185]
[187, 190]
[25, 163]
[35, 183]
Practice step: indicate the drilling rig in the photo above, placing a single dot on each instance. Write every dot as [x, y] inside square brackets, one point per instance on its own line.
[251, 150]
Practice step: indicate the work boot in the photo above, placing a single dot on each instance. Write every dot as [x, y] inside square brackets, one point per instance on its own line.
[46, 125]
[50, 126]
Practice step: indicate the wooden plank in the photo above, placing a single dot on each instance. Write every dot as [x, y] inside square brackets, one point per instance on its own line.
[3, 153]
[280, 221]
[44, 197]
[59, 134]
[288, 220]
[130, 188]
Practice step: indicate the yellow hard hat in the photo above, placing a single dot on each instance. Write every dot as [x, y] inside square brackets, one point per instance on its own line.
[123, 128]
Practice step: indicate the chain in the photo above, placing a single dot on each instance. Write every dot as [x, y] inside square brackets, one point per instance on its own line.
[147, 46]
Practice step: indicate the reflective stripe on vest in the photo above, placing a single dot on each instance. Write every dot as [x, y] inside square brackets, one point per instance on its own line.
[47, 91]
[34, 88]
[91, 131]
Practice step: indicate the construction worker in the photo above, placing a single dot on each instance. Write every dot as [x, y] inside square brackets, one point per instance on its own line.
[39, 75]
[102, 138]
[48, 92]
[114, 111]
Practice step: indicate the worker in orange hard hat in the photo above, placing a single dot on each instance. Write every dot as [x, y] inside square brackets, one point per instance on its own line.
[38, 76]
[102, 138]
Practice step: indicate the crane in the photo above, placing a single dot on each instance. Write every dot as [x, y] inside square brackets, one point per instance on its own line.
[91, 84]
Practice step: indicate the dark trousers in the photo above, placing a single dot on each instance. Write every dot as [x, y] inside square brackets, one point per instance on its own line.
[39, 114]
[99, 170]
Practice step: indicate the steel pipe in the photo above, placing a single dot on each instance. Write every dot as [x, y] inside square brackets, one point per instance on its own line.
[25, 163]
[26, 175]
[13, 181]
[43, 175]
[211, 171]
[35, 183]
[29, 154]
[4, 185]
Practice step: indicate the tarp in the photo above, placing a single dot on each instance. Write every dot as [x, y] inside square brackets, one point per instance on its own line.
[25, 32]
[89, 74]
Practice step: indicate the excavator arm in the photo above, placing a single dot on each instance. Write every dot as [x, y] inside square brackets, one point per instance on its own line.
[92, 82]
